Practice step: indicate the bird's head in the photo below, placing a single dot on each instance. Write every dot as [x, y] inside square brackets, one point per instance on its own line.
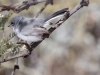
[16, 22]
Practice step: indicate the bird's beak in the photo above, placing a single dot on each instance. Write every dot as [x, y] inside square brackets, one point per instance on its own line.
[9, 25]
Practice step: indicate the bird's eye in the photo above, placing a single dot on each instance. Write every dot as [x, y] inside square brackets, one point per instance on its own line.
[12, 23]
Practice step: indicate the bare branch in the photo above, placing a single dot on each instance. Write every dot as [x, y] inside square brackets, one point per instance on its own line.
[16, 66]
[21, 54]
[80, 5]
[50, 1]
[41, 9]
[22, 5]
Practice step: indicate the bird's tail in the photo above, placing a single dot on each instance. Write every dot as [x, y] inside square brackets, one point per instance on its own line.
[60, 12]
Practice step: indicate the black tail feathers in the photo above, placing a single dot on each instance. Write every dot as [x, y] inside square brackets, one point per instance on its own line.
[59, 12]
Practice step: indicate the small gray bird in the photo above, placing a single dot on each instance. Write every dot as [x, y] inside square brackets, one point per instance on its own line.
[30, 29]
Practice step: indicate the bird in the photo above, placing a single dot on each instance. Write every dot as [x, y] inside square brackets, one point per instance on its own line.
[31, 30]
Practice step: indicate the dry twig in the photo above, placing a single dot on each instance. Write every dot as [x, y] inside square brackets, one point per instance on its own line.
[16, 66]
[18, 7]
[42, 9]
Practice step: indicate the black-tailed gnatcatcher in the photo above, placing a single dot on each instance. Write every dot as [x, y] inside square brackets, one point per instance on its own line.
[30, 29]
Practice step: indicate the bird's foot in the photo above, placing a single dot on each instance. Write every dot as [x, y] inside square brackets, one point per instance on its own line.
[27, 46]
[30, 51]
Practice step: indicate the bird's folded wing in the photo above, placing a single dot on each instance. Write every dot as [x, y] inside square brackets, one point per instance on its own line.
[40, 30]
[34, 30]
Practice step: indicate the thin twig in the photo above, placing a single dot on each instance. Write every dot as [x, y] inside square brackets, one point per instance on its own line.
[16, 66]
[45, 5]
[41, 9]
[76, 8]
[80, 5]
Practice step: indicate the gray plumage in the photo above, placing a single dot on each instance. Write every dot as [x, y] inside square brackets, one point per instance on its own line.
[30, 29]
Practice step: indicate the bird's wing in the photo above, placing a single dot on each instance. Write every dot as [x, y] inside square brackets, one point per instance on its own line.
[34, 30]
[26, 30]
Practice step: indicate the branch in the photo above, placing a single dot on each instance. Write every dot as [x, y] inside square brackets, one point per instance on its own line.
[41, 9]
[81, 4]
[18, 7]
[16, 66]
[21, 54]
[45, 5]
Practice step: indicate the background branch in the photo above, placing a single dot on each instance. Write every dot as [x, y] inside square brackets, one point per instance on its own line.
[42, 9]
[18, 7]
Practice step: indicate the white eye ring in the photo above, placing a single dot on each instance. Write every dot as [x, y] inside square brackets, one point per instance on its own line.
[12, 24]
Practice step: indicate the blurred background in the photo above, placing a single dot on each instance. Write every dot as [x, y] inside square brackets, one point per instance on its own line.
[72, 49]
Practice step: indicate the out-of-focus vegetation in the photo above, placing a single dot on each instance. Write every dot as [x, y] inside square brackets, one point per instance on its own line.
[72, 49]
[7, 47]
[3, 20]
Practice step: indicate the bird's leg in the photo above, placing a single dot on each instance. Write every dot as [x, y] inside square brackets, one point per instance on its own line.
[45, 36]
[27, 46]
